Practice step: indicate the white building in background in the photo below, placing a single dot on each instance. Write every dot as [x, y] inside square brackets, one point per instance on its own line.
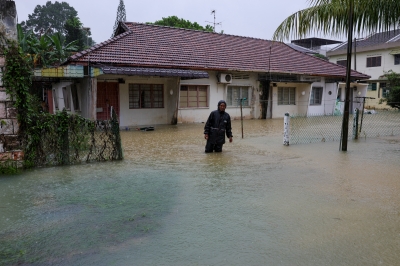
[373, 55]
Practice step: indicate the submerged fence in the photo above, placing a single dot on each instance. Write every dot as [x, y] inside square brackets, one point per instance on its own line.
[320, 128]
[73, 139]
[70, 139]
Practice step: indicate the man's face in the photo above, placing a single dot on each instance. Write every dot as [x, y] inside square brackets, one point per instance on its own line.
[222, 107]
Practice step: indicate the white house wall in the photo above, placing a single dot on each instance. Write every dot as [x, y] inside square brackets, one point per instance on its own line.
[387, 62]
[301, 106]
[147, 116]
[217, 92]
[330, 97]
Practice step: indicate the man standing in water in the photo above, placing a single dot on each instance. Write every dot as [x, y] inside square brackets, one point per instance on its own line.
[218, 124]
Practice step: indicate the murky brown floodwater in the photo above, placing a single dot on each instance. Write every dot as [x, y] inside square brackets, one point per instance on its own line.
[169, 203]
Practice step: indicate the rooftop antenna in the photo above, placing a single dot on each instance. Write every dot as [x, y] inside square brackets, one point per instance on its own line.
[214, 23]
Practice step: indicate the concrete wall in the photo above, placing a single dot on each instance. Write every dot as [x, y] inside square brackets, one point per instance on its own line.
[8, 114]
[301, 101]
[217, 92]
[387, 63]
[147, 116]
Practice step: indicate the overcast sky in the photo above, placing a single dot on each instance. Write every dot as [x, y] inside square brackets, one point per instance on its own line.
[252, 18]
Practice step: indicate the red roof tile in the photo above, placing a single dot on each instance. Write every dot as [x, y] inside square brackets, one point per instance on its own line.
[157, 46]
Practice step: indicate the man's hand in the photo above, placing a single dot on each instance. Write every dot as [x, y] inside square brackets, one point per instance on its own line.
[230, 139]
[206, 136]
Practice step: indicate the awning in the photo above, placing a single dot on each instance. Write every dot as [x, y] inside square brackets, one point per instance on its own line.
[161, 72]
[393, 52]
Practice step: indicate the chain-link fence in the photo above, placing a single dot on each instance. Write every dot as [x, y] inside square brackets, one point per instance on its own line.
[320, 128]
[71, 139]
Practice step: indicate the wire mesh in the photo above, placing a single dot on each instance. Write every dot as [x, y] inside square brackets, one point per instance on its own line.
[380, 123]
[83, 141]
[321, 128]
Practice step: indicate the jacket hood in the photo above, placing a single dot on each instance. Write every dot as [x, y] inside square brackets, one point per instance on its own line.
[221, 101]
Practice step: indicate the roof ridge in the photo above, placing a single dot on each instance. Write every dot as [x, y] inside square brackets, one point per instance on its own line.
[207, 32]
[97, 46]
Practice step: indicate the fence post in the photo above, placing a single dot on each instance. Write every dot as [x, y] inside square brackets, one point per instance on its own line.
[355, 124]
[286, 129]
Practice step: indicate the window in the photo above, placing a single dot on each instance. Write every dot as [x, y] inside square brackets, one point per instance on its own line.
[75, 99]
[55, 98]
[385, 92]
[146, 96]
[193, 96]
[316, 96]
[342, 62]
[67, 105]
[286, 96]
[397, 59]
[374, 61]
[235, 93]
[372, 87]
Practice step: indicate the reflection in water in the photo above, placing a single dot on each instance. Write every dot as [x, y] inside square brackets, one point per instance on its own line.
[168, 203]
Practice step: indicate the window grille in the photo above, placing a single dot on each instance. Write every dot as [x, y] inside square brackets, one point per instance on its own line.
[234, 93]
[374, 61]
[146, 96]
[286, 96]
[371, 87]
[316, 96]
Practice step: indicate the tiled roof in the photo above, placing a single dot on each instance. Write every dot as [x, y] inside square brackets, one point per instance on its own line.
[161, 72]
[166, 47]
[373, 40]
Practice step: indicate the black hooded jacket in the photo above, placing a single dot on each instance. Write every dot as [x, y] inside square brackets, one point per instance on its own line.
[218, 125]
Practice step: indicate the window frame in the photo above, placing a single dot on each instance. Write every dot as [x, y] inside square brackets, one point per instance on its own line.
[397, 59]
[75, 97]
[232, 102]
[316, 101]
[342, 62]
[66, 97]
[292, 96]
[154, 90]
[374, 61]
[199, 88]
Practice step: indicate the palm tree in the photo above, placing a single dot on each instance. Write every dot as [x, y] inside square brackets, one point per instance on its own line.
[61, 50]
[331, 17]
[340, 17]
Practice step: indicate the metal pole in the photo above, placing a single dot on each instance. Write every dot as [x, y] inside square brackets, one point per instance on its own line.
[355, 124]
[362, 114]
[355, 54]
[345, 124]
[241, 114]
[286, 129]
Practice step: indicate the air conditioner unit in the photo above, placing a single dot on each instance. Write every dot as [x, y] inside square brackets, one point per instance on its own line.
[225, 78]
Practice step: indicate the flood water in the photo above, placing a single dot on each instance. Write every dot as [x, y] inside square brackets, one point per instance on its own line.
[168, 203]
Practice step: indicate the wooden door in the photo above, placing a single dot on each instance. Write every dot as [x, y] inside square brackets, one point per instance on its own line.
[107, 96]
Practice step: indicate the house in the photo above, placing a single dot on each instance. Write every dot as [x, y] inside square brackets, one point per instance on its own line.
[373, 55]
[161, 75]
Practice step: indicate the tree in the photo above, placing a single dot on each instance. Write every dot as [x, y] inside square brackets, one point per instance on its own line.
[393, 98]
[46, 50]
[49, 18]
[330, 17]
[74, 31]
[121, 16]
[339, 17]
[174, 21]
